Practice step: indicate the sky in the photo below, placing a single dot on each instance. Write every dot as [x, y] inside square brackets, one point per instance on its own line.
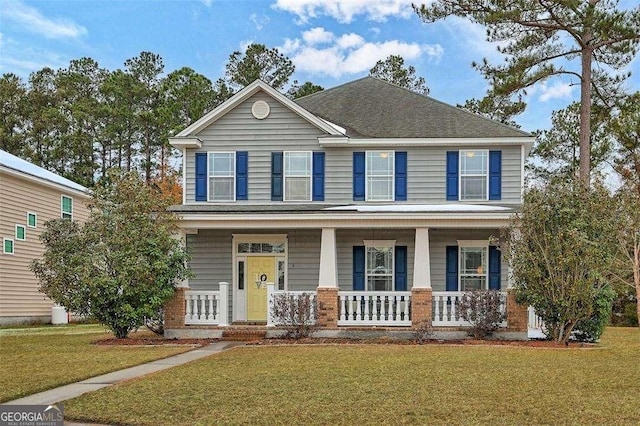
[330, 42]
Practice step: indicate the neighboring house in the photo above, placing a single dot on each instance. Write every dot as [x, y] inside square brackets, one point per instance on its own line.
[378, 200]
[29, 196]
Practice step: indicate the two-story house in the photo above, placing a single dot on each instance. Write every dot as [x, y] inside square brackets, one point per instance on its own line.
[29, 197]
[378, 200]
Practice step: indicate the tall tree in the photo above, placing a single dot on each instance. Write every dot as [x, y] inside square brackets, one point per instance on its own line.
[258, 62]
[556, 152]
[147, 69]
[496, 107]
[297, 90]
[12, 113]
[393, 70]
[542, 38]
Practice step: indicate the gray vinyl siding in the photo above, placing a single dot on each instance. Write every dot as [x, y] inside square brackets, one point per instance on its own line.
[304, 260]
[284, 130]
[438, 242]
[238, 130]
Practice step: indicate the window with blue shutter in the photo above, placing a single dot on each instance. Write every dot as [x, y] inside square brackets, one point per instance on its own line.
[276, 176]
[318, 176]
[495, 175]
[242, 175]
[358, 176]
[401, 268]
[452, 175]
[401, 176]
[494, 268]
[358, 268]
[452, 268]
[201, 176]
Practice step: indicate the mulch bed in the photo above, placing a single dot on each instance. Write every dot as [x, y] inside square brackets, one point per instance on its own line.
[153, 341]
[463, 342]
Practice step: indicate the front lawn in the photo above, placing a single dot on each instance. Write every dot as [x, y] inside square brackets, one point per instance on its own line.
[384, 384]
[39, 358]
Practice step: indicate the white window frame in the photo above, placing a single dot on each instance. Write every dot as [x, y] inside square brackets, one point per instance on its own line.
[24, 229]
[391, 175]
[473, 244]
[4, 246]
[309, 177]
[210, 154]
[462, 153]
[62, 212]
[35, 216]
[379, 244]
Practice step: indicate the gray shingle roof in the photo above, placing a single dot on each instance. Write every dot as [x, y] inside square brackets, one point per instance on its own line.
[373, 108]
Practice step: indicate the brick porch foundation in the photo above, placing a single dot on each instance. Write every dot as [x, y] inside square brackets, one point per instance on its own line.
[517, 316]
[421, 305]
[174, 309]
[327, 304]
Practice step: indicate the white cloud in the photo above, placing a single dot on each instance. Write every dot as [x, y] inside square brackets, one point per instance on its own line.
[317, 35]
[206, 3]
[349, 53]
[555, 91]
[32, 20]
[474, 38]
[259, 21]
[345, 11]
[22, 59]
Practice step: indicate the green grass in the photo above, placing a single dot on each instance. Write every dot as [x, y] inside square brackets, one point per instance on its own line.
[39, 358]
[384, 384]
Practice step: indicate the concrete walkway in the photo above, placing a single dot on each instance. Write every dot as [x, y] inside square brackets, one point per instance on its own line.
[94, 383]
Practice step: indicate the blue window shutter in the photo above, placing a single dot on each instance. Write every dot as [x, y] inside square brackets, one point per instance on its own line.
[401, 268]
[358, 268]
[494, 268]
[201, 176]
[452, 268]
[495, 175]
[242, 175]
[276, 176]
[401, 176]
[318, 176]
[452, 175]
[358, 176]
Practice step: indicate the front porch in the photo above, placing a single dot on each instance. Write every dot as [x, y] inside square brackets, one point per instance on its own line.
[341, 314]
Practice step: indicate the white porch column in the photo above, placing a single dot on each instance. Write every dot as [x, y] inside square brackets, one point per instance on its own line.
[422, 260]
[271, 289]
[223, 308]
[328, 276]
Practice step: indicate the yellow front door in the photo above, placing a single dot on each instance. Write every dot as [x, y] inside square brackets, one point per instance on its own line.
[259, 270]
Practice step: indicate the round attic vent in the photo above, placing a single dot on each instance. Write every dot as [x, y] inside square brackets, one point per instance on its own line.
[260, 110]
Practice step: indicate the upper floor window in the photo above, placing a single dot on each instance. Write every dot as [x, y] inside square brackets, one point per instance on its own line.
[32, 220]
[66, 207]
[474, 171]
[7, 246]
[297, 176]
[380, 175]
[222, 175]
[379, 271]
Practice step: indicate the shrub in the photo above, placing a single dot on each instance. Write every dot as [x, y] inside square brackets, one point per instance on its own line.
[295, 313]
[482, 309]
[423, 331]
[590, 329]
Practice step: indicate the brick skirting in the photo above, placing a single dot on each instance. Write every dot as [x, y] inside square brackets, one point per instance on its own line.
[327, 304]
[421, 305]
[517, 315]
[174, 309]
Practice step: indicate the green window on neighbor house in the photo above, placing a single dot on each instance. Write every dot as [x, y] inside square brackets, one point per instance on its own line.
[67, 207]
[32, 220]
[7, 246]
[21, 233]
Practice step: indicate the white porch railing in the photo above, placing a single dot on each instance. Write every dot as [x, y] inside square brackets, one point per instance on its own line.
[445, 311]
[535, 322]
[271, 295]
[383, 308]
[207, 307]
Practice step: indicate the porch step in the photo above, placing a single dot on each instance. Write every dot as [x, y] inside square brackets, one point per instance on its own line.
[243, 335]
